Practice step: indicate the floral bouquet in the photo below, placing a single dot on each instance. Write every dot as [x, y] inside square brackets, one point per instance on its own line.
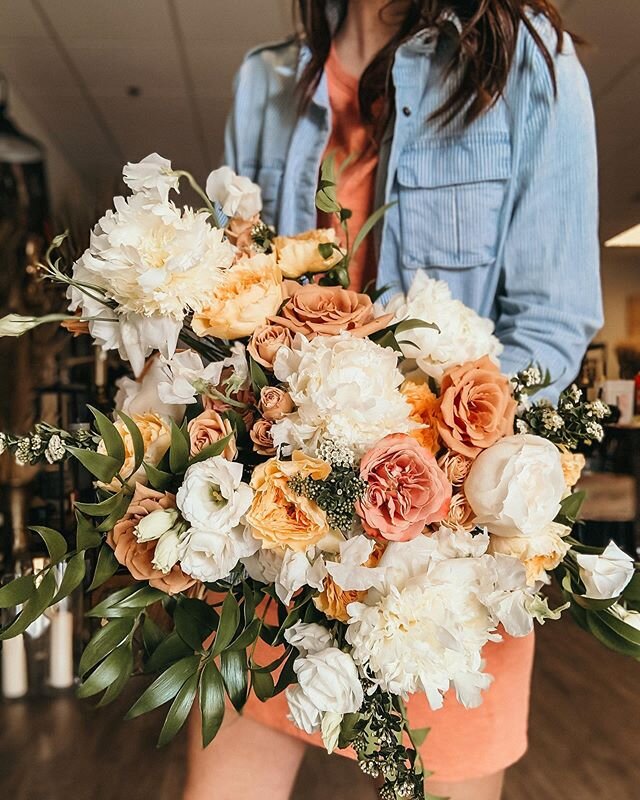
[295, 465]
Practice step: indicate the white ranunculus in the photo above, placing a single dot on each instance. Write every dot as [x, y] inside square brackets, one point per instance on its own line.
[302, 711]
[155, 524]
[344, 388]
[330, 728]
[141, 395]
[516, 485]
[152, 175]
[605, 575]
[308, 637]
[167, 552]
[237, 195]
[213, 496]
[627, 615]
[210, 554]
[329, 678]
[462, 335]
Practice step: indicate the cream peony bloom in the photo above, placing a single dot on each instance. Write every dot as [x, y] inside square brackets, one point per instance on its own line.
[249, 293]
[298, 255]
[539, 552]
[156, 436]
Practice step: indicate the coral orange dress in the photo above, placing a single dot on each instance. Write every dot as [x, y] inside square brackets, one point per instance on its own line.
[463, 743]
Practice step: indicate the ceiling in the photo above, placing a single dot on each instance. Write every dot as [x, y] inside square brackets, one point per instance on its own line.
[111, 80]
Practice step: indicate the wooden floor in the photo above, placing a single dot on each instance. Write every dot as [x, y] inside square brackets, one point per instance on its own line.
[585, 741]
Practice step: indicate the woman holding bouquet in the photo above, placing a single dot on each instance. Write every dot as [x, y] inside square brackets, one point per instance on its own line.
[473, 117]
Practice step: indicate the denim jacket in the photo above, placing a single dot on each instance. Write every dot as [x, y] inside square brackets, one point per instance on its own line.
[504, 210]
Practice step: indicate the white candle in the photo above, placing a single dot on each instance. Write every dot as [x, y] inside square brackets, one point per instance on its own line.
[14, 668]
[61, 654]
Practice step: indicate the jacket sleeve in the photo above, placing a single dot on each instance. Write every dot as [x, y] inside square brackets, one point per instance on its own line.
[243, 129]
[549, 302]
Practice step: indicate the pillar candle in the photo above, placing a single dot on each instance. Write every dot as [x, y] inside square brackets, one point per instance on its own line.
[14, 668]
[61, 655]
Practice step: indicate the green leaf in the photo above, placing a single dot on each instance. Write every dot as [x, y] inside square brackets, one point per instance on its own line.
[142, 598]
[117, 513]
[211, 701]
[17, 592]
[115, 689]
[102, 509]
[263, 685]
[179, 710]
[103, 642]
[106, 566]
[368, 225]
[152, 635]
[195, 621]
[571, 505]
[87, 537]
[136, 440]
[413, 324]
[158, 479]
[620, 627]
[632, 591]
[101, 466]
[179, 451]
[113, 599]
[55, 542]
[233, 668]
[287, 675]
[33, 608]
[326, 199]
[171, 649]
[419, 735]
[110, 436]
[229, 619]
[211, 450]
[247, 637]
[72, 578]
[165, 687]
[258, 378]
[326, 249]
[610, 638]
[107, 672]
[349, 729]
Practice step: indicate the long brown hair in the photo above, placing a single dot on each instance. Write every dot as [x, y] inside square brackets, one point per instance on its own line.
[484, 51]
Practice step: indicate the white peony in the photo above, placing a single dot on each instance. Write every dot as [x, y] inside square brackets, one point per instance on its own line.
[344, 388]
[152, 175]
[212, 496]
[142, 395]
[605, 575]
[237, 195]
[515, 486]
[462, 334]
[329, 679]
[210, 554]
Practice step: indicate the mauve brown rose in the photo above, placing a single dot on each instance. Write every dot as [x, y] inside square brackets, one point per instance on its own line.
[136, 556]
[328, 310]
[238, 232]
[260, 435]
[274, 403]
[476, 407]
[208, 428]
[266, 341]
[460, 516]
[455, 467]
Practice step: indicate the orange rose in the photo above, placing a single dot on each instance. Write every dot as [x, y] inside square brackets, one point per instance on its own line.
[208, 428]
[572, 466]
[266, 341]
[328, 310]
[136, 556]
[476, 407]
[455, 467]
[260, 435]
[424, 406]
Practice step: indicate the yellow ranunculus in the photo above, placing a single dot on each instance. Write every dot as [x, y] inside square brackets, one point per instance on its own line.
[299, 254]
[156, 435]
[248, 293]
[280, 517]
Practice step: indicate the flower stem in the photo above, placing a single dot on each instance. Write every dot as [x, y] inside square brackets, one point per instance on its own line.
[181, 173]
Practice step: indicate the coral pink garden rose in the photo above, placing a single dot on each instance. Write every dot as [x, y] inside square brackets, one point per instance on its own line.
[406, 489]
[476, 407]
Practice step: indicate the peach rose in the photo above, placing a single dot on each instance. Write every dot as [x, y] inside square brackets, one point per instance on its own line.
[328, 310]
[460, 516]
[266, 341]
[298, 255]
[424, 405]
[249, 292]
[260, 435]
[238, 232]
[156, 436]
[455, 467]
[274, 403]
[572, 466]
[208, 428]
[406, 489]
[136, 556]
[476, 407]
[279, 516]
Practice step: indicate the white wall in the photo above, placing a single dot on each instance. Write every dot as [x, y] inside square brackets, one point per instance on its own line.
[620, 279]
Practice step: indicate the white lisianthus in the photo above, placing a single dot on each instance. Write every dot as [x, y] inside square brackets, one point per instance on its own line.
[210, 554]
[308, 637]
[539, 552]
[167, 552]
[141, 396]
[212, 496]
[155, 524]
[627, 615]
[237, 195]
[344, 388]
[606, 575]
[302, 711]
[152, 175]
[329, 678]
[515, 486]
[461, 336]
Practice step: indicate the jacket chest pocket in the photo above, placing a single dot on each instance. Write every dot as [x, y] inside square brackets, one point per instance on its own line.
[269, 179]
[451, 194]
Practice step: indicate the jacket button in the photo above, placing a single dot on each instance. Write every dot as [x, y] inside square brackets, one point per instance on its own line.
[406, 111]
